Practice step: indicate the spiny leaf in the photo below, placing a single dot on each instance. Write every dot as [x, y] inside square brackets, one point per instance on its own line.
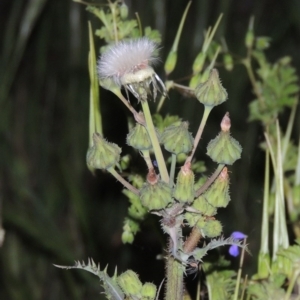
[111, 288]
[199, 253]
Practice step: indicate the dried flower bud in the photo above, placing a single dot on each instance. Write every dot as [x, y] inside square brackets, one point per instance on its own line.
[130, 283]
[211, 92]
[128, 64]
[226, 123]
[184, 189]
[177, 139]
[102, 155]
[148, 291]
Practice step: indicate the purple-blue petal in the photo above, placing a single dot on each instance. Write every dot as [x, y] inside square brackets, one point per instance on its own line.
[234, 250]
[238, 235]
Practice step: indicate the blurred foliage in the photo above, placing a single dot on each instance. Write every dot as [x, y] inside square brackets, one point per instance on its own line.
[51, 208]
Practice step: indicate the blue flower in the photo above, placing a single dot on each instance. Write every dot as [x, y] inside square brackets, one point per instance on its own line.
[234, 249]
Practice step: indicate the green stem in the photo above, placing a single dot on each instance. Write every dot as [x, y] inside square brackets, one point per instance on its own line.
[130, 187]
[174, 276]
[136, 115]
[155, 143]
[147, 158]
[264, 243]
[247, 64]
[291, 285]
[207, 110]
[172, 170]
[239, 275]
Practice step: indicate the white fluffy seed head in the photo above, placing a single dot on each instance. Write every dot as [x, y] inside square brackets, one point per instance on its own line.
[126, 57]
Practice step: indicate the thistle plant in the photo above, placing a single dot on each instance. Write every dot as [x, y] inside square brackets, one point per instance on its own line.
[126, 64]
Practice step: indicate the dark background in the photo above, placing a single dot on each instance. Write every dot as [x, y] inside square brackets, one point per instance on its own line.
[52, 208]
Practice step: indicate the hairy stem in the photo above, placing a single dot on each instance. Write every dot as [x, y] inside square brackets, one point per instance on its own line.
[129, 186]
[193, 240]
[174, 275]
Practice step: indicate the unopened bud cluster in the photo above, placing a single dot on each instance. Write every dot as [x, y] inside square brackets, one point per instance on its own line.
[133, 287]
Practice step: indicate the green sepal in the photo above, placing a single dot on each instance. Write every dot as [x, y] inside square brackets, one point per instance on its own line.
[194, 218]
[218, 194]
[148, 291]
[202, 205]
[184, 189]
[155, 196]
[102, 155]
[212, 228]
[139, 138]
[177, 139]
[224, 149]
[211, 92]
[130, 283]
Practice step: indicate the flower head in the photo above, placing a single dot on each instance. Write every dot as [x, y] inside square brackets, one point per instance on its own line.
[234, 249]
[129, 64]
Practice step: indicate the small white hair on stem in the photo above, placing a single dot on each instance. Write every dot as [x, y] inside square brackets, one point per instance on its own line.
[127, 57]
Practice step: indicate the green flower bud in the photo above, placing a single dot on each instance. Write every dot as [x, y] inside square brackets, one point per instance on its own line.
[199, 62]
[224, 149]
[171, 62]
[124, 162]
[102, 155]
[203, 206]
[262, 43]
[194, 218]
[228, 62]
[184, 189]
[130, 228]
[139, 138]
[195, 80]
[212, 228]
[218, 194]
[211, 92]
[127, 237]
[177, 139]
[148, 291]
[249, 38]
[155, 194]
[123, 11]
[130, 283]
